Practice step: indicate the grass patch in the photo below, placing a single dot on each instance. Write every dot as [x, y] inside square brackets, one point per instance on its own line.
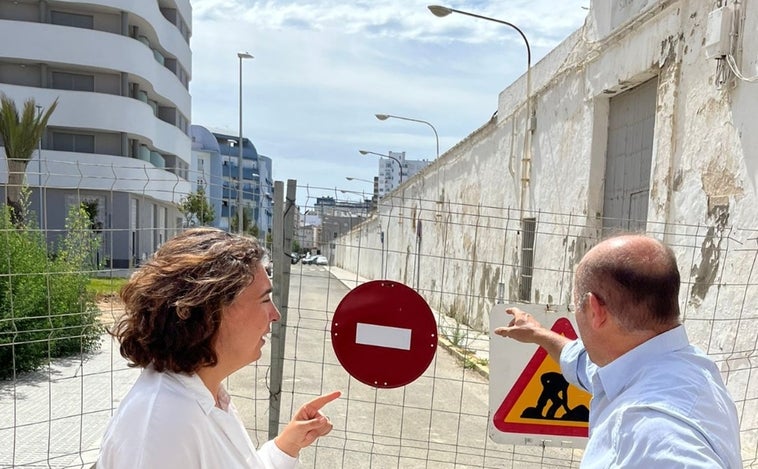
[472, 361]
[105, 287]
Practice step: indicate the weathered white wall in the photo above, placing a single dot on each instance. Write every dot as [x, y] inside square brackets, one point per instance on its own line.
[703, 184]
[704, 171]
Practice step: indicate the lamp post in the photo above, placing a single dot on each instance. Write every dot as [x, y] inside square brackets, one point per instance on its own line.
[358, 179]
[362, 194]
[39, 169]
[241, 55]
[399, 164]
[374, 187]
[384, 117]
[362, 204]
[441, 11]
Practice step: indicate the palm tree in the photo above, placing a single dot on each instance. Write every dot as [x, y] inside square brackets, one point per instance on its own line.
[20, 137]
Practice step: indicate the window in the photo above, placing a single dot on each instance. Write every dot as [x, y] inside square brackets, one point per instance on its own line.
[73, 81]
[73, 142]
[528, 227]
[72, 19]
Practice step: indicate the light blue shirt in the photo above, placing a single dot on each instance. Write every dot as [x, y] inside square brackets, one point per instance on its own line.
[660, 405]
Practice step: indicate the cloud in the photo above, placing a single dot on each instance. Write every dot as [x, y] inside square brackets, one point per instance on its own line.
[322, 69]
[406, 19]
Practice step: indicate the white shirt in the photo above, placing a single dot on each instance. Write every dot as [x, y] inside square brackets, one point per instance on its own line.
[660, 405]
[170, 420]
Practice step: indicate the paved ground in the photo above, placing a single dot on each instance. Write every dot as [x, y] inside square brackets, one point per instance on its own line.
[56, 418]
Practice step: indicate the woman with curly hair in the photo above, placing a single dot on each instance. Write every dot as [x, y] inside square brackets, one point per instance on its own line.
[196, 313]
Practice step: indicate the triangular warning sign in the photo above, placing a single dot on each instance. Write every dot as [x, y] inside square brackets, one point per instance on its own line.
[541, 401]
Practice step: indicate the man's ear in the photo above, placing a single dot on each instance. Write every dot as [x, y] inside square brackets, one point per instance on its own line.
[597, 310]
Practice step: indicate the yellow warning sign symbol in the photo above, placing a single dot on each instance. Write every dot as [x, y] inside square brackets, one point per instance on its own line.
[542, 401]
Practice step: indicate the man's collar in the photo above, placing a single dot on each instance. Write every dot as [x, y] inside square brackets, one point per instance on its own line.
[617, 375]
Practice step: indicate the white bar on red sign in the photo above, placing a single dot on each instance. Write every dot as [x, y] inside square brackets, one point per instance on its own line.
[383, 336]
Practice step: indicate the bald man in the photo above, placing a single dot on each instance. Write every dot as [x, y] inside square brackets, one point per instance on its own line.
[657, 401]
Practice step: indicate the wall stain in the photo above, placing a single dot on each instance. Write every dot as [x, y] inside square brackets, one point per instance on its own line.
[407, 262]
[493, 284]
[678, 179]
[720, 183]
[488, 282]
[669, 48]
[457, 311]
[710, 254]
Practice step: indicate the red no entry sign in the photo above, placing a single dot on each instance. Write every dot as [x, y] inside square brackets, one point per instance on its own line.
[384, 334]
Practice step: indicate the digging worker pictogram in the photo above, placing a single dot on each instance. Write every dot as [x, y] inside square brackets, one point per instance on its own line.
[555, 390]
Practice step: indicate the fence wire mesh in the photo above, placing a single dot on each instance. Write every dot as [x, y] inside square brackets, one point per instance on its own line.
[461, 258]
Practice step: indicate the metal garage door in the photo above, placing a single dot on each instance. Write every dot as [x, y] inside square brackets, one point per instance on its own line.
[628, 159]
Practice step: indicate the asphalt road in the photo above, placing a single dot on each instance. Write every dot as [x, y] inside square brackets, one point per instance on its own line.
[438, 421]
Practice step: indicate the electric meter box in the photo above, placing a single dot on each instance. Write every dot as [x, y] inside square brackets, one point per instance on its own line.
[717, 36]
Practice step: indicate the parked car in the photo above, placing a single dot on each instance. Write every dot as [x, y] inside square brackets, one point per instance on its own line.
[294, 258]
[321, 260]
[309, 259]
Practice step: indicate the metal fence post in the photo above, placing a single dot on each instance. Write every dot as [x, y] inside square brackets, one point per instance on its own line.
[284, 215]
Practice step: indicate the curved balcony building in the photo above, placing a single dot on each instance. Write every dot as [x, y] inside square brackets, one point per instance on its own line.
[120, 70]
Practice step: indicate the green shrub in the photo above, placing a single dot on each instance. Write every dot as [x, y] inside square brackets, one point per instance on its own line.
[46, 310]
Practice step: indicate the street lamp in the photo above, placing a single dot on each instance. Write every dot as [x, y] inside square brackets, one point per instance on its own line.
[362, 194]
[241, 55]
[384, 117]
[441, 11]
[374, 186]
[358, 179]
[363, 203]
[399, 164]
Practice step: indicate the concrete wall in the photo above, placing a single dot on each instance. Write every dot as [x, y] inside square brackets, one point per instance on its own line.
[704, 172]
[454, 232]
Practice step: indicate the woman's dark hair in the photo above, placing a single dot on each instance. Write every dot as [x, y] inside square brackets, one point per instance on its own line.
[173, 303]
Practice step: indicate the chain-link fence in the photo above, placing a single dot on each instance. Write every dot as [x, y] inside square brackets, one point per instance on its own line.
[462, 259]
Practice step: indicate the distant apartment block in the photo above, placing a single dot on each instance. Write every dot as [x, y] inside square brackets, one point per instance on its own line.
[389, 171]
[266, 199]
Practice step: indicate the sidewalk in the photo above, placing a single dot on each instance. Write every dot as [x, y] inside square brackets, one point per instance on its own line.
[55, 417]
[469, 346]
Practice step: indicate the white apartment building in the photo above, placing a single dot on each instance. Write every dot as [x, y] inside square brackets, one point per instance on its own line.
[120, 70]
[390, 169]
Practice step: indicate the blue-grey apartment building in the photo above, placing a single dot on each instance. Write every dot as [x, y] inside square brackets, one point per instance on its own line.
[215, 158]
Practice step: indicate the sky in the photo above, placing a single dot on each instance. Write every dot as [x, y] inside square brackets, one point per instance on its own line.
[323, 68]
